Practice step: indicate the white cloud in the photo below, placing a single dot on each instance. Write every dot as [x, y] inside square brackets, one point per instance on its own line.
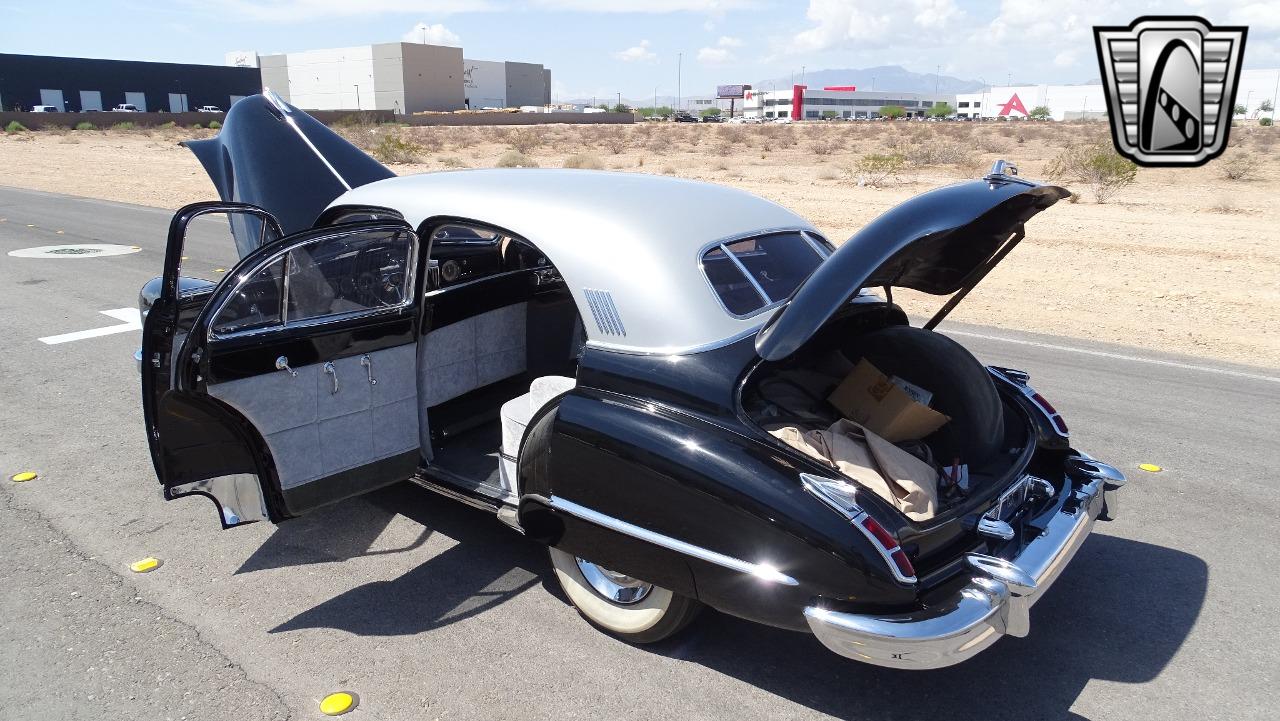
[1065, 59]
[714, 56]
[721, 53]
[711, 7]
[436, 34]
[312, 10]
[636, 53]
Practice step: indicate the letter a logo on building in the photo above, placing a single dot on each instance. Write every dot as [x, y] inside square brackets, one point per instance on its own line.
[1171, 88]
[1015, 103]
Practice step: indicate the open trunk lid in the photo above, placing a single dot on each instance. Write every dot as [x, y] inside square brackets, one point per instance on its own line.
[274, 156]
[940, 242]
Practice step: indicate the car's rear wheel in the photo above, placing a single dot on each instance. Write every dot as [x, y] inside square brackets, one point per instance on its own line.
[622, 606]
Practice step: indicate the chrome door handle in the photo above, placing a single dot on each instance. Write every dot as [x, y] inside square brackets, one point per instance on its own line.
[328, 368]
[367, 362]
[282, 364]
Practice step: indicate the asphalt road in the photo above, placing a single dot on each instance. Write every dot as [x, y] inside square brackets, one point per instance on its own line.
[428, 609]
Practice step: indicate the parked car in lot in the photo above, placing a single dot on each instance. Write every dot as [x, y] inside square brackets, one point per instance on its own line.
[126, 108]
[208, 109]
[606, 366]
[45, 109]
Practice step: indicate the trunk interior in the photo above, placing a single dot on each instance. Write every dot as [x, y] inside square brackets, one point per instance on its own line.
[988, 431]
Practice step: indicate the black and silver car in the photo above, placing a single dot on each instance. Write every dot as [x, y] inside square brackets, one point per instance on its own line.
[598, 359]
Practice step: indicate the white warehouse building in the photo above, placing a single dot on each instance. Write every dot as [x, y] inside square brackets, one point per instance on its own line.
[801, 103]
[402, 77]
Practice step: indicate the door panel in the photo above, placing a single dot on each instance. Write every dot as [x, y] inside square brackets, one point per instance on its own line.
[308, 349]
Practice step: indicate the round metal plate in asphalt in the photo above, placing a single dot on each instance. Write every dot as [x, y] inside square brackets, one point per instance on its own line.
[81, 250]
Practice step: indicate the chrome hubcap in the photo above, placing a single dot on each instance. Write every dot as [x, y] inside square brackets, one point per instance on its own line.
[613, 586]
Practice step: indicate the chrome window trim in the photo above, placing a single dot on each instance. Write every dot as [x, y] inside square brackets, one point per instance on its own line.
[690, 350]
[411, 276]
[722, 243]
[762, 571]
[823, 251]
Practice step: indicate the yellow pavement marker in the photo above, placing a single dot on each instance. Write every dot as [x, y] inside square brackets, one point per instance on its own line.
[146, 565]
[1150, 467]
[336, 704]
[24, 476]
[219, 270]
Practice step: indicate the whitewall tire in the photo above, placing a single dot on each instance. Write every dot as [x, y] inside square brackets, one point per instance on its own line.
[627, 608]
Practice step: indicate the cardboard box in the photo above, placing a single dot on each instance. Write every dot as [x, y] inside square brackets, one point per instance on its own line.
[870, 398]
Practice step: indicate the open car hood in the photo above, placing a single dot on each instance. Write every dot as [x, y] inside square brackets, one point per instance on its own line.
[274, 156]
[940, 242]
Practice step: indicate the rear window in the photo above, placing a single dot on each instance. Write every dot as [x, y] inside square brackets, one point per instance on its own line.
[748, 275]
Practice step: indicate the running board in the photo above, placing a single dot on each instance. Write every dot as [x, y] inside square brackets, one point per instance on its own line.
[474, 498]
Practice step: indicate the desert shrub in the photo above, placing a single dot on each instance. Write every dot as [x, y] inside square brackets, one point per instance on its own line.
[1240, 166]
[214, 125]
[451, 162]
[614, 140]
[583, 162]
[126, 125]
[668, 170]
[1073, 198]
[875, 169]
[723, 148]
[168, 125]
[196, 126]
[938, 152]
[993, 144]
[827, 174]
[84, 125]
[524, 140]
[1264, 122]
[515, 159]
[393, 148]
[825, 146]
[15, 127]
[1097, 165]
[431, 140]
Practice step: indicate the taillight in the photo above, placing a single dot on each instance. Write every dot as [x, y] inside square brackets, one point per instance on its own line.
[1054, 417]
[839, 496]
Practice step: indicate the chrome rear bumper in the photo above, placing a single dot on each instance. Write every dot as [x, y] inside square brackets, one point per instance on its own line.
[996, 601]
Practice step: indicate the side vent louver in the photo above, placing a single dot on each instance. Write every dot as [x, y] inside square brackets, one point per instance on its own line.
[604, 312]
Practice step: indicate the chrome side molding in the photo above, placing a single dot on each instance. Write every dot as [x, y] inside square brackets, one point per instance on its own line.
[763, 571]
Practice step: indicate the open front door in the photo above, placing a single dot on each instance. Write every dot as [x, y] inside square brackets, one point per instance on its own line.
[294, 383]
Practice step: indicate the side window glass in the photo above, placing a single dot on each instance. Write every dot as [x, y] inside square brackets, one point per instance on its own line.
[255, 304]
[349, 274]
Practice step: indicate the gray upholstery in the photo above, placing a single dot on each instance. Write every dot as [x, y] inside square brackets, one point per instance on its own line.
[466, 355]
[516, 414]
[313, 432]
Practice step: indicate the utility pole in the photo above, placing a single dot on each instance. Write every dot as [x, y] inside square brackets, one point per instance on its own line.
[619, 97]
[802, 75]
[936, 77]
[679, 79]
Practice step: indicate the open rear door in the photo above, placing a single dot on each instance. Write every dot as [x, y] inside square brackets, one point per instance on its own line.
[294, 385]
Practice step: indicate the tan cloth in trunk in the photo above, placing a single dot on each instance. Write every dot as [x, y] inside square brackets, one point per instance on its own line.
[900, 478]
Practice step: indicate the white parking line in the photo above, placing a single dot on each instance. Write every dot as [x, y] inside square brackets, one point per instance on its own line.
[1117, 356]
[132, 321]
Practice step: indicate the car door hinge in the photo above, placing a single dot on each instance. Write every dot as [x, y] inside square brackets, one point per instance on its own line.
[197, 355]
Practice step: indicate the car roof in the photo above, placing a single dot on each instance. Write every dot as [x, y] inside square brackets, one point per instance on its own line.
[628, 245]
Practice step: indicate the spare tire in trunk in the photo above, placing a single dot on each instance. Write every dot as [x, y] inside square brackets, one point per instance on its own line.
[961, 386]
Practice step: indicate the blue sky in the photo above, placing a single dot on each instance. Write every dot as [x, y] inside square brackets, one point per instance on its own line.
[630, 46]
